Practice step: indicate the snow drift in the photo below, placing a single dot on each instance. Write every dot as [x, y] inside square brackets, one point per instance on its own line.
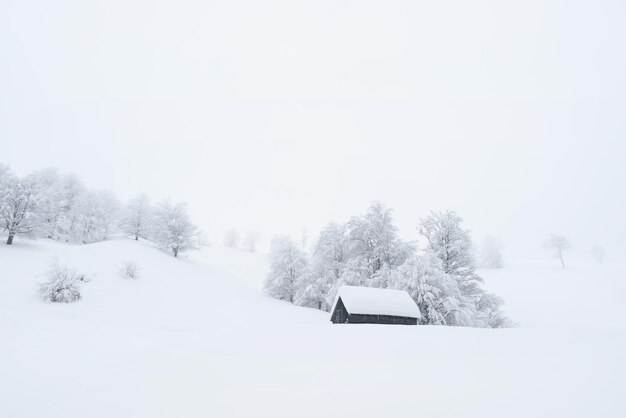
[190, 338]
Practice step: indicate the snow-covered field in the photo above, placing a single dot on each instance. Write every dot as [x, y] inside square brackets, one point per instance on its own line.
[196, 338]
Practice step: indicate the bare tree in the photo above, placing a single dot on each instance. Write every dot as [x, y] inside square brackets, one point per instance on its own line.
[558, 244]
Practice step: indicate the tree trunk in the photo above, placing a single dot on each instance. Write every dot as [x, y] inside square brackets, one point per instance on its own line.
[136, 237]
[175, 252]
[561, 257]
[10, 240]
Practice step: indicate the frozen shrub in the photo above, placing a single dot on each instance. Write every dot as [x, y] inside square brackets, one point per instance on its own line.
[61, 285]
[129, 270]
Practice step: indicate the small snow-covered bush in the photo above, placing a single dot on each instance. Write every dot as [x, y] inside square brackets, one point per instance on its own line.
[61, 285]
[129, 270]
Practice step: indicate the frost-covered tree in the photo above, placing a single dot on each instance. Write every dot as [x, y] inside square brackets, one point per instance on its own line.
[5, 171]
[374, 237]
[329, 259]
[129, 270]
[447, 239]
[357, 272]
[62, 285]
[173, 230]
[490, 313]
[452, 245]
[383, 278]
[135, 220]
[48, 207]
[315, 285]
[491, 253]
[304, 240]
[333, 248]
[95, 213]
[231, 238]
[251, 240]
[19, 206]
[288, 266]
[62, 211]
[557, 245]
[437, 294]
[598, 253]
[58, 209]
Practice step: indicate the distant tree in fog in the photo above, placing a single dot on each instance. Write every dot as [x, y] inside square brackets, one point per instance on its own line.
[135, 220]
[557, 245]
[58, 208]
[288, 266]
[96, 211]
[231, 238]
[598, 252]
[251, 241]
[491, 253]
[50, 204]
[63, 212]
[20, 200]
[203, 239]
[172, 228]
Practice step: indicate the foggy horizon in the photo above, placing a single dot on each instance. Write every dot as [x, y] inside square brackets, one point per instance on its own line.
[510, 115]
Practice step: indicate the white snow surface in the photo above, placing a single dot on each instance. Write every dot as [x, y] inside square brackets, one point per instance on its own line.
[369, 300]
[190, 338]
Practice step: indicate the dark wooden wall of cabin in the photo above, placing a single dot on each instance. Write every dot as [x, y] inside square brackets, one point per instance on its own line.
[341, 316]
[381, 319]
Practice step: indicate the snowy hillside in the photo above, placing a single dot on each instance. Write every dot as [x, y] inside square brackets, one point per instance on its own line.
[196, 338]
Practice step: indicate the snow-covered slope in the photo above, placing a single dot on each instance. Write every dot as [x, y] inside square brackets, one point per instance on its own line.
[195, 338]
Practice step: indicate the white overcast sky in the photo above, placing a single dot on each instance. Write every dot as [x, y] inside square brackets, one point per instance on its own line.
[284, 115]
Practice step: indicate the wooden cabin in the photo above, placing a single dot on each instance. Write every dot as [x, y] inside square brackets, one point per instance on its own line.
[369, 305]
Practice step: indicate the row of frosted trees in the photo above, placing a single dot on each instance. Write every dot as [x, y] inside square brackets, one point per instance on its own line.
[366, 251]
[47, 204]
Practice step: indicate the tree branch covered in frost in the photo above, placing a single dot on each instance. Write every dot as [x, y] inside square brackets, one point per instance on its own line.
[367, 251]
[288, 266]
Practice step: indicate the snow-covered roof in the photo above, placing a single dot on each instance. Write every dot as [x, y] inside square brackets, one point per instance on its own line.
[375, 301]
